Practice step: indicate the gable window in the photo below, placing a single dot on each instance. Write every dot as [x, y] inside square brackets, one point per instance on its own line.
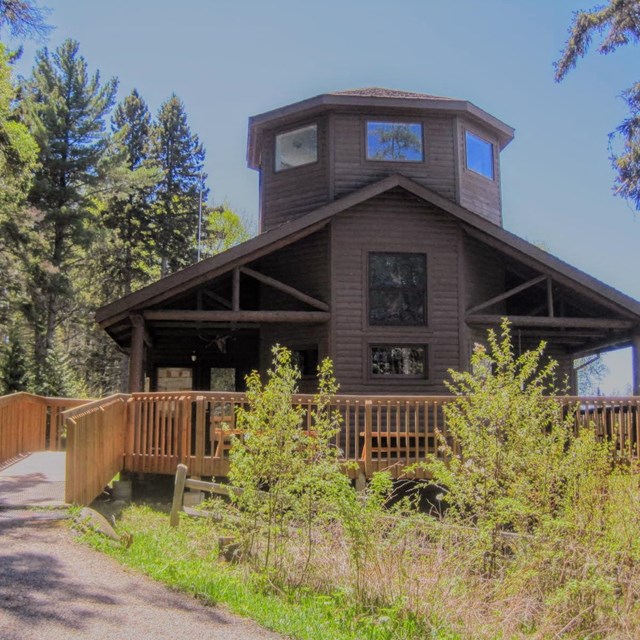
[397, 289]
[479, 155]
[296, 148]
[407, 361]
[394, 141]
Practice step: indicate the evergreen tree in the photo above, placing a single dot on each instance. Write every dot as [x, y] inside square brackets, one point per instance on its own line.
[65, 108]
[15, 370]
[180, 155]
[129, 217]
[18, 155]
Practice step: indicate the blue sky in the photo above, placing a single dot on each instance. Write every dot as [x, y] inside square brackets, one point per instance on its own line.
[230, 59]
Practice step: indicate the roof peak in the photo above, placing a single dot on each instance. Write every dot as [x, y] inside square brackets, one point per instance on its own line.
[381, 92]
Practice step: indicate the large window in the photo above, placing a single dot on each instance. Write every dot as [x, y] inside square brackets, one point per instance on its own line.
[397, 289]
[296, 148]
[479, 155]
[408, 361]
[394, 141]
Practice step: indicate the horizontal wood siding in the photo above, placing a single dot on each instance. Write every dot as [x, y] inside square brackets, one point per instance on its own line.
[477, 193]
[303, 265]
[393, 222]
[288, 194]
[484, 273]
[351, 170]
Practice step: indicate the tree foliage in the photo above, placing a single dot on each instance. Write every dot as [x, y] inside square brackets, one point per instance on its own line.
[24, 19]
[618, 24]
[180, 155]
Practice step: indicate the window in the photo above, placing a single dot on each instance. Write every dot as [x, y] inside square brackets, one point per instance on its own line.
[297, 148]
[222, 379]
[397, 289]
[394, 141]
[479, 155]
[399, 360]
[306, 360]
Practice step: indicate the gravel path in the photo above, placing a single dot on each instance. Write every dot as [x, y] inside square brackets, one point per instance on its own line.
[52, 588]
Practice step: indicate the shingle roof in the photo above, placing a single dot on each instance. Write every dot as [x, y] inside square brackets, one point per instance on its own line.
[381, 92]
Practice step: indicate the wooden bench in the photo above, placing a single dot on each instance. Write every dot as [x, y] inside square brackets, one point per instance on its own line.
[400, 443]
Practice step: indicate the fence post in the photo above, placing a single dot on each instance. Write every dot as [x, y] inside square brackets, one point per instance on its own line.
[178, 494]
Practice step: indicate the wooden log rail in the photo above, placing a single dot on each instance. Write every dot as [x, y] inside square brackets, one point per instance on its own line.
[96, 435]
[378, 432]
[31, 423]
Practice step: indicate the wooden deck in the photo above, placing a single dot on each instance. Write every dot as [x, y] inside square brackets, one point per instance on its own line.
[154, 432]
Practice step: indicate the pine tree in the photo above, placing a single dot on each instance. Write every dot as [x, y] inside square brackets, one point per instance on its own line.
[180, 155]
[65, 108]
[15, 370]
[129, 216]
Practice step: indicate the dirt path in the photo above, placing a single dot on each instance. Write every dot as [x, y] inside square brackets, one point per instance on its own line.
[52, 588]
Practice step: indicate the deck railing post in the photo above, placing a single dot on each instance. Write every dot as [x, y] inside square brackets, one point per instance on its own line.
[368, 427]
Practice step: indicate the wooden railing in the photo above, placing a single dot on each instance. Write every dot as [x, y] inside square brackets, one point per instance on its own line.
[378, 432]
[96, 435]
[31, 423]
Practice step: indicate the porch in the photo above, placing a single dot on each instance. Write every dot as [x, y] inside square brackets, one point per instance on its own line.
[154, 432]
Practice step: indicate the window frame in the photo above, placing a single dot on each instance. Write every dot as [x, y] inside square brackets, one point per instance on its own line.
[403, 326]
[387, 120]
[390, 344]
[274, 164]
[469, 132]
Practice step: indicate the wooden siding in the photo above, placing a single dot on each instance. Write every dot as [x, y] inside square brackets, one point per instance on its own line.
[393, 222]
[305, 266]
[484, 274]
[351, 170]
[475, 192]
[288, 194]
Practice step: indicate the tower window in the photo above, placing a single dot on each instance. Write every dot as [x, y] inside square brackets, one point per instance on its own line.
[479, 155]
[296, 148]
[394, 141]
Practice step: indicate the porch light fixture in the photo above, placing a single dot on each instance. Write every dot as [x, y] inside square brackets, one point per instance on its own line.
[193, 356]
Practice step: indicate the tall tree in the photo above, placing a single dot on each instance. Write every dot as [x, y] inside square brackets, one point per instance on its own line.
[180, 155]
[129, 215]
[618, 24]
[65, 107]
[18, 155]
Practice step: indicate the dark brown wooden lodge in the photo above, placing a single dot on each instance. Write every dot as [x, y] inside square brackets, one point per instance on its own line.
[382, 247]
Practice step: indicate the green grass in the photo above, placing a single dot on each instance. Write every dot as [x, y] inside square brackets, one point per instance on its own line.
[186, 560]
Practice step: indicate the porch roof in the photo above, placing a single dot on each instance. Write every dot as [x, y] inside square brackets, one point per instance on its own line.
[289, 232]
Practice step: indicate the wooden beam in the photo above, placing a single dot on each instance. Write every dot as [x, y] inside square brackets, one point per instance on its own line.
[235, 297]
[285, 288]
[219, 299]
[541, 321]
[188, 315]
[508, 294]
[561, 278]
[136, 357]
[603, 345]
[550, 297]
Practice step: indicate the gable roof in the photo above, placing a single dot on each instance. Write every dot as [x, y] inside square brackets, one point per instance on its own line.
[289, 232]
[369, 99]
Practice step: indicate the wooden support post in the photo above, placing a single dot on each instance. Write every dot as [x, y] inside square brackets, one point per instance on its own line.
[136, 355]
[368, 424]
[178, 494]
[235, 297]
[550, 312]
[635, 347]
